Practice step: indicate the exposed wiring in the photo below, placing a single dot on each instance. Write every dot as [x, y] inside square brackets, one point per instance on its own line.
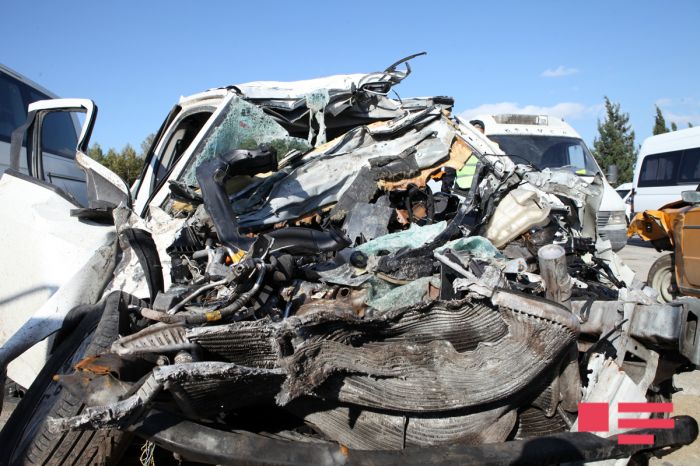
[196, 293]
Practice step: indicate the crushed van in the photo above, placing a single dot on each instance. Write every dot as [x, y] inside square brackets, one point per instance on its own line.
[283, 286]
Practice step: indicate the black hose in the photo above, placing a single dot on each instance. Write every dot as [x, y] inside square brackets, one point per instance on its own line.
[235, 306]
[212, 175]
[299, 240]
[145, 249]
[197, 318]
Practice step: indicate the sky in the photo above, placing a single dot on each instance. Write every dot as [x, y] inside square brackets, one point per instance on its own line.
[135, 59]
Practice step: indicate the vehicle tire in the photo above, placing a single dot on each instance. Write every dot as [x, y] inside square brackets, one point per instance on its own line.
[662, 278]
[26, 440]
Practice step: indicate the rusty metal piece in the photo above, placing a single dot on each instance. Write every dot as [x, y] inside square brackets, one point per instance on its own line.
[94, 389]
[110, 414]
[101, 364]
[433, 292]
[402, 216]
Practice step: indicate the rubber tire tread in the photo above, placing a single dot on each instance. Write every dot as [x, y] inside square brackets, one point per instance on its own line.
[101, 326]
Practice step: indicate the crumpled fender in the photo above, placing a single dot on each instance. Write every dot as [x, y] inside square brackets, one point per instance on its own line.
[84, 287]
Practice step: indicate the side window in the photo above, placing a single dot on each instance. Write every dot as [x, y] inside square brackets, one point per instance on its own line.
[660, 169]
[576, 156]
[58, 135]
[13, 111]
[33, 95]
[690, 167]
[180, 139]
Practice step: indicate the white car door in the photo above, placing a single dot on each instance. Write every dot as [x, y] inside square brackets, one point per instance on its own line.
[59, 139]
[46, 251]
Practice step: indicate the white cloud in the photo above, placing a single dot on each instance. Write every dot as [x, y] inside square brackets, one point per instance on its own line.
[682, 120]
[566, 110]
[559, 71]
[680, 111]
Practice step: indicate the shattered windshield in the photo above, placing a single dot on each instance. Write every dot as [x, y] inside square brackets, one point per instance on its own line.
[241, 125]
[549, 152]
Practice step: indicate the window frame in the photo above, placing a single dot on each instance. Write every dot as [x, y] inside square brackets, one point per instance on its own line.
[675, 179]
[71, 120]
[174, 127]
[694, 181]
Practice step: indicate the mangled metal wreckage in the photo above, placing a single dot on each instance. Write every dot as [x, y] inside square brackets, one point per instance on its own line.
[319, 294]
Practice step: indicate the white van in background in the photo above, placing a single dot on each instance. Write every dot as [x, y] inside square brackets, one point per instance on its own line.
[58, 139]
[550, 142]
[667, 165]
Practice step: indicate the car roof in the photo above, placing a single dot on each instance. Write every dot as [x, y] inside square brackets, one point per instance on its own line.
[283, 89]
[667, 142]
[9, 71]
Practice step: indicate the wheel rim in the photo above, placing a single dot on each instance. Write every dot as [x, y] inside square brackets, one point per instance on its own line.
[662, 283]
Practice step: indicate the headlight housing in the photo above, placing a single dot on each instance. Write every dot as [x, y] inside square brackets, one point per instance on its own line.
[617, 217]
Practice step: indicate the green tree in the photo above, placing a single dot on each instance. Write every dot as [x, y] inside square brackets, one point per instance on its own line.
[690, 125]
[127, 163]
[674, 126]
[95, 152]
[146, 144]
[615, 143]
[659, 123]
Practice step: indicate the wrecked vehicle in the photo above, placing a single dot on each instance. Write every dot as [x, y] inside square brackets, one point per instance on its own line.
[283, 286]
[674, 228]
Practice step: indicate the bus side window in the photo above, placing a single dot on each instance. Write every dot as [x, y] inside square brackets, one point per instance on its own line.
[690, 166]
[13, 112]
[660, 169]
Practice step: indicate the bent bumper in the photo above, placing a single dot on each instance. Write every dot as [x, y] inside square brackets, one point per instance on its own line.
[200, 443]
